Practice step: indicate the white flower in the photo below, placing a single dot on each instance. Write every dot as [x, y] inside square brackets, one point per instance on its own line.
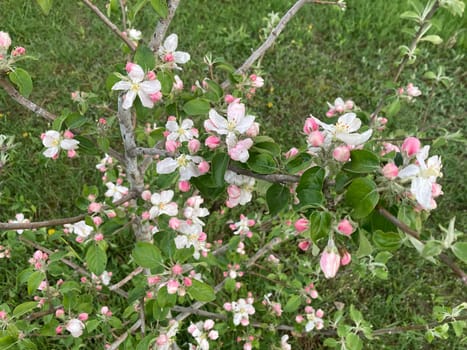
[162, 204]
[423, 176]
[80, 229]
[5, 42]
[105, 278]
[115, 191]
[54, 142]
[183, 133]
[194, 211]
[236, 122]
[75, 327]
[134, 35]
[185, 164]
[240, 189]
[19, 220]
[192, 236]
[284, 344]
[313, 322]
[344, 130]
[242, 310]
[136, 85]
[168, 54]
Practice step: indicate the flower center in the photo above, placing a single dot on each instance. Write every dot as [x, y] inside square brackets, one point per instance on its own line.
[134, 87]
[341, 128]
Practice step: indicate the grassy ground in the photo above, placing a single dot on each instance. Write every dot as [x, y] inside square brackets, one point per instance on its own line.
[323, 53]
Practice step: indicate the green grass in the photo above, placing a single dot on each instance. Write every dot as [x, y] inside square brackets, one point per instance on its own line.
[322, 54]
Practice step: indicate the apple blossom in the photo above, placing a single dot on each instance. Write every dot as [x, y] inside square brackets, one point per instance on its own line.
[344, 130]
[413, 91]
[134, 34]
[115, 191]
[162, 204]
[390, 171]
[212, 142]
[191, 236]
[284, 343]
[19, 220]
[291, 153]
[81, 229]
[54, 142]
[341, 154]
[5, 42]
[135, 85]
[186, 165]
[240, 189]
[75, 327]
[193, 210]
[302, 225]
[183, 133]
[345, 227]
[330, 260]
[168, 54]
[411, 146]
[242, 309]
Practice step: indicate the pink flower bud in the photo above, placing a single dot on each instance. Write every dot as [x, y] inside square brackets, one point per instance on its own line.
[71, 153]
[341, 154]
[83, 316]
[111, 214]
[229, 98]
[304, 245]
[162, 340]
[99, 237]
[58, 330]
[174, 223]
[18, 51]
[346, 258]
[331, 113]
[310, 125]
[177, 269]
[184, 186]
[59, 313]
[152, 280]
[94, 207]
[345, 227]
[314, 294]
[291, 153]
[212, 142]
[97, 220]
[169, 57]
[129, 66]
[228, 307]
[102, 121]
[156, 97]
[203, 167]
[315, 138]
[253, 130]
[301, 225]
[319, 313]
[349, 104]
[309, 309]
[330, 260]
[299, 319]
[436, 190]
[193, 146]
[390, 171]
[146, 195]
[171, 146]
[151, 75]
[68, 134]
[187, 281]
[172, 286]
[411, 146]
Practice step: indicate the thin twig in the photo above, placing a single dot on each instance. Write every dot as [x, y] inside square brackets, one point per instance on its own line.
[162, 26]
[276, 178]
[55, 222]
[15, 95]
[109, 24]
[443, 257]
[127, 279]
[122, 7]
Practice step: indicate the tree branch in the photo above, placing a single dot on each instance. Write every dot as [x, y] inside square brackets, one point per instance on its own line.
[443, 257]
[128, 278]
[15, 95]
[277, 178]
[55, 222]
[162, 26]
[109, 24]
[122, 338]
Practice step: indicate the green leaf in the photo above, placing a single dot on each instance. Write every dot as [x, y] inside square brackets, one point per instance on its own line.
[24, 308]
[460, 250]
[147, 255]
[145, 58]
[355, 315]
[434, 39]
[87, 146]
[331, 343]
[458, 327]
[22, 80]
[353, 342]
[34, 281]
[267, 147]
[277, 197]
[201, 291]
[96, 259]
[456, 7]
[166, 82]
[432, 248]
[262, 163]
[164, 299]
[293, 303]
[362, 162]
[145, 343]
[309, 189]
[215, 91]
[320, 225]
[197, 106]
[393, 108]
[219, 165]
[298, 163]
[383, 257]
[364, 247]
[45, 5]
[410, 15]
[160, 6]
[386, 240]
[362, 197]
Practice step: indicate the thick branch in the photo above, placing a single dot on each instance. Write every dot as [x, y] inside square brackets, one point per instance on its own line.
[162, 26]
[278, 178]
[109, 24]
[15, 95]
[54, 222]
[154, 151]
[443, 257]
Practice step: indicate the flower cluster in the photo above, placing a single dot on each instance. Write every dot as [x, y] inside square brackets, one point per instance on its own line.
[239, 190]
[7, 60]
[55, 141]
[202, 332]
[241, 309]
[242, 227]
[339, 107]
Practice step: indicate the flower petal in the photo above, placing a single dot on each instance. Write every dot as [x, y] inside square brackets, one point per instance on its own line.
[136, 74]
[167, 166]
[129, 99]
[171, 43]
[150, 86]
[181, 57]
[122, 85]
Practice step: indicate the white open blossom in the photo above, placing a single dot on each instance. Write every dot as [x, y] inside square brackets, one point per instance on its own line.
[423, 175]
[240, 189]
[54, 142]
[202, 332]
[193, 210]
[134, 34]
[115, 191]
[242, 309]
[236, 122]
[19, 220]
[186, 165]
[183, 132]
[162, 204]
[344, 130]
[168, 53]
[75, 327]
[135, 85]
[81, 229]
[192, 236]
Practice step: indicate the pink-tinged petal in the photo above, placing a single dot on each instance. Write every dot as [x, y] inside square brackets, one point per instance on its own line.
[235, 111]
[166, 166]
[171, 209]
[216, 123]
[50, 139]
[421, 189]
[245, 123]
[409, 171]
[347, 118]
[122, 85]
[50, 152]
[150, 86]
[69, 144]
[327, 127]
[145, 99]
[354, 139]
[171, 43]
[187, 124]
[181, 57]
[136, 74]
[172, 126]
[129, 99]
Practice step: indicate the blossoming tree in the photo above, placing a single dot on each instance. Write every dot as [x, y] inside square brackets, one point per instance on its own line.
[206, 198]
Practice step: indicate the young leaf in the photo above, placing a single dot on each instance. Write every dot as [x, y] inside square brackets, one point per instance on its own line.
[145, 58]
[34, 281]
[262, 163]
[22, 80]
[201, 291]
[362, 197]
[219, 166]
[277, 198]
[160, 6]
[293, 303]
[147, 255]
[309, 189]
[460, 250]
[197, 106]
[320, 225]
[96, 259]
[362, 162]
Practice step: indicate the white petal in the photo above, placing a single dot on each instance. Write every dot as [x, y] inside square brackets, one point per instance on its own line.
[245, 123]
[69, 144]
[409, 171]
[235, 111]
[172, 126]
[355, 138]
[51, 137]
[187, 124]
[218, 122]
[421, 189]
[347, 118]
[145, 99]
[171, 43]
[136, 74]
[150, 86]
[122, 85]
[166, 196]
[167, 166]
[129, 99]
[50, 152]
[181, 241]
[181, 57]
